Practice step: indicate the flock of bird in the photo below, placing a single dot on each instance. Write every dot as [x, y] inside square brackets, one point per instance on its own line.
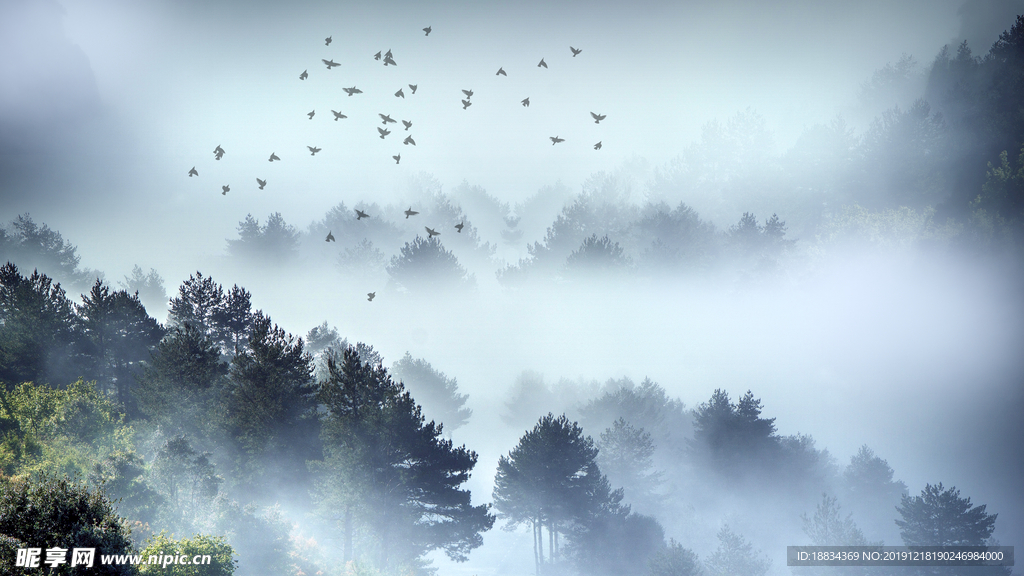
[389, 60]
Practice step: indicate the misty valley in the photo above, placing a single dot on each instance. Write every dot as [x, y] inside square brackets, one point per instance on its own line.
[663, 369]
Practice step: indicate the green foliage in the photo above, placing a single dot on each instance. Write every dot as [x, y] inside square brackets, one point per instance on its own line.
[735, 557]
[63, 432]
[187, 480]
[674, 560]
[258, 537]
[390, 475]
[436, 393]
[220, 552]
[121, 476]
[225, 317]
[942, 518]
[48, 511]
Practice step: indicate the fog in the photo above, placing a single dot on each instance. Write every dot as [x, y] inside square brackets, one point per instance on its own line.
[914, 351]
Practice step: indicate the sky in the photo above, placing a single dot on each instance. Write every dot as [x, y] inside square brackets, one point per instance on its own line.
[105, 106]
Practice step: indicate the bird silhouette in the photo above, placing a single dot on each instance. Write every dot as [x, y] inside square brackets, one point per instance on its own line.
[400, 94]
[556, 140]
[427, 30]
[273, 157]
[407, 124]
[218, 151]
[466, 104]
[597, 146]
[352, 90]
[225, 189]
[262, 183]
[575, 51]
[501, 72]
[376, 56]
[311, 114]
[598, 117]
[383, 132]
[330, 63]
[413, 87]
[327, 41]
[370, 295]
[459, 227]
[390, 60]
[338, 115]
[304, 75]
[388, 54]
[385, 118]
[526, 102]
[410, 212]
[312, 150]
[431, 233]
[409, 140]
[542, 63]
[360, 214]
[468, 93]
[397, 158]
[330, 237]
[193, 172]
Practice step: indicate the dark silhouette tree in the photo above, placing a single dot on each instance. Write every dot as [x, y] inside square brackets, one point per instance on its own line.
[121, 335]
[41, 338]
[732, 435]
[389, 474]
[627, 458]
[30, 245]
[597, 255]
[941, 517]
[551, 479]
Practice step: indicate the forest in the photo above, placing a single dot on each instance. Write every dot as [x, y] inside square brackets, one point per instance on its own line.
[138, 417]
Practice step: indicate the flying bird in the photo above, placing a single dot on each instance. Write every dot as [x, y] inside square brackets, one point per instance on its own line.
[330, 63]
[407, 124]
[556, 140]
[431, 233]
[409, 140]
[385, 118]
[330, 237]
[193, 172]
[311, 114]
[328, 40]
[376, 56]
[383, 132]
[427, 30]
[388, 54]
[410, 212]
[390, 60]
[466, 104]
[598, 117]
[218, 151]
[413, 87]
[597, 146]
[542, 63]
[399, 94]
[360, 214]
[312, 150]
[352, 90]
[526, 102]
[304, 75]
[262, 183]
[468, 93]
[370, 295]
[273, 157]
[459, 227]
[575, 51]
[338, 115]
[501, 72]
[397, 158]
[225, 189]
